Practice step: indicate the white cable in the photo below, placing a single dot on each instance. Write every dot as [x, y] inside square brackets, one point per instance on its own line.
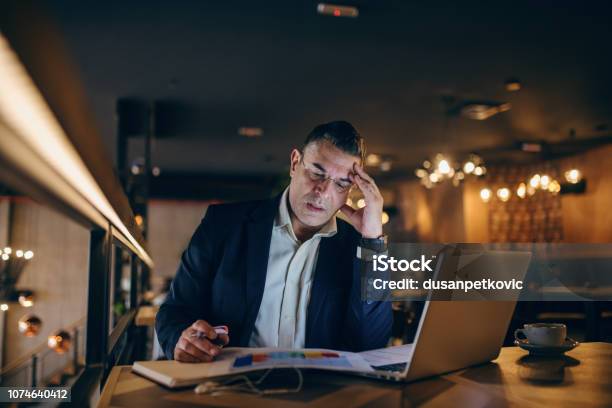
[247, 386]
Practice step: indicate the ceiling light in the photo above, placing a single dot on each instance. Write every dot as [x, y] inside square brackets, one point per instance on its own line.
[531, 190]
[534, 181]
[426, 182]
[421, 173]
[544, 181]
[573, 176]
[5, 257]
[483, 110]
[372, 159]
[459, 176]
[385, 165]
[247, 131]
[26, 298]
[444, 167]
[512, 85]
[469, 167]
[29, 325]
[336, 10]
[554, 187]
[4, 307]
[59, 341]
[485, 195]
[521, 190]
[28, 255]
[503, 194]
[8, 250]
[531, 147]
[19, 253]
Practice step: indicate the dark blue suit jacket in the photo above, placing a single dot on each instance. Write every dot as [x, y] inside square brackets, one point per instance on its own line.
[222, 274]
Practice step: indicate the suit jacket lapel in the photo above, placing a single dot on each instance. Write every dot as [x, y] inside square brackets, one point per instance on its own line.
[258, 237]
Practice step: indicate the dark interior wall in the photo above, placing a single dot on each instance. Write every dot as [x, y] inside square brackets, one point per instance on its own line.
[171, 224]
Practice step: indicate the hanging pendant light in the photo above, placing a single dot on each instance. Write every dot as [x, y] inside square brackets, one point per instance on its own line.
[573, 176]
[29, 325]
[59, 341]
[26, 298]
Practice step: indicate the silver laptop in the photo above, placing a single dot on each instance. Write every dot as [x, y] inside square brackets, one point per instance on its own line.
[452, 333]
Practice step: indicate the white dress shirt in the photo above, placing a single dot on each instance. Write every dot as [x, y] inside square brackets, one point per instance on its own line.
[281, 320]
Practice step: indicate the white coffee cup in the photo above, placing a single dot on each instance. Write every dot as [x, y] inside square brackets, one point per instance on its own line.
[542, 334]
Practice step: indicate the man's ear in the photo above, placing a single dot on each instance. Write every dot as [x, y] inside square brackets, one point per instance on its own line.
[295, 160]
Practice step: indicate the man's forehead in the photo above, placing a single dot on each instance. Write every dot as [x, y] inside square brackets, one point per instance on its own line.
[330, 157]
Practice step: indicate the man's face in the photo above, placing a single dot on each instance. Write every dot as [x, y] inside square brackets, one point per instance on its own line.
[320, 182]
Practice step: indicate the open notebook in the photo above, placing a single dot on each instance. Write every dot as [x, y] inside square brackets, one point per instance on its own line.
[235, 360]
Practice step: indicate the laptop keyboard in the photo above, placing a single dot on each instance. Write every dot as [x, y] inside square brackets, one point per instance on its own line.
[391, 367]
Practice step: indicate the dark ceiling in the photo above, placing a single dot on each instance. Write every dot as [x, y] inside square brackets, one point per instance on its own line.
[282, 67]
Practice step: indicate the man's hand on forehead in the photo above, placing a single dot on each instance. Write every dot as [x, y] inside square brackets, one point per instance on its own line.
[367, 220]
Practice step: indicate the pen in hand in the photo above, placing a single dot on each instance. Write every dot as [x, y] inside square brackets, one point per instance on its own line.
[217, 341]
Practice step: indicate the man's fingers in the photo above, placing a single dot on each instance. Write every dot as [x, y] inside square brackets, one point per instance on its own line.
[205, 346]
[224, 338]
[366, 184]
[361, 173]
[361, 182]
[195, 343]
[347, 210]
[184, 357]
[205, 328]
[185, 351]
[368, 189]
[195, 351]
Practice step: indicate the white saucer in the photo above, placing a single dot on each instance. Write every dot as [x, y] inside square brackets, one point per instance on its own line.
[539, 350]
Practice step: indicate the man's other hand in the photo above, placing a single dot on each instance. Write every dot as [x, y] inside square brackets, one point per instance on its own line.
[195, 346]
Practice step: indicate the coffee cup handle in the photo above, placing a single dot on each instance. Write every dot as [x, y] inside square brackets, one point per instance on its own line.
[520, 331]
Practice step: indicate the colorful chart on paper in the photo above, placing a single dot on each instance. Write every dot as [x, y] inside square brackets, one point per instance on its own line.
[292, 358]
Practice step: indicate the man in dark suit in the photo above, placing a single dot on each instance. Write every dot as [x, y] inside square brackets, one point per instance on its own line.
[284, 272]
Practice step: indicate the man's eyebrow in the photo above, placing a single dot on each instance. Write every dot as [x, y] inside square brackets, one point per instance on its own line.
[321, 168]
[318, 166]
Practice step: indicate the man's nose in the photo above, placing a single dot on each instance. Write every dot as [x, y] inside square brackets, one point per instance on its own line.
[323, 186]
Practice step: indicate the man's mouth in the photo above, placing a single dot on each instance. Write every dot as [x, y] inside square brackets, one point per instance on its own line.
[314, 208]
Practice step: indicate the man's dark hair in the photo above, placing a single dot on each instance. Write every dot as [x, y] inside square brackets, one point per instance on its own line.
[341, 134]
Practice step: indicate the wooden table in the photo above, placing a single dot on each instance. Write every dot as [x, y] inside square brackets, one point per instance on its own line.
[583, 378]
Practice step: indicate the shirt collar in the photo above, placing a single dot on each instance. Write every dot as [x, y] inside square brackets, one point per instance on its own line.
[283, 220]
